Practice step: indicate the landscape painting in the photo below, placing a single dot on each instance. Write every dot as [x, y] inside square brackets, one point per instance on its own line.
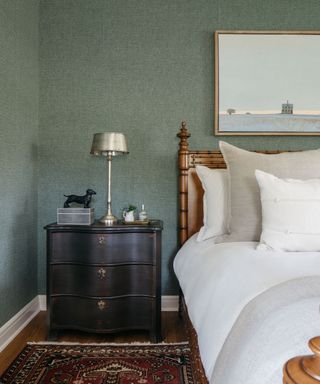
[267, 83]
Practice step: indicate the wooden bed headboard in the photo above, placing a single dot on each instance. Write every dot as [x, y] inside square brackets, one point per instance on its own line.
[190, 189]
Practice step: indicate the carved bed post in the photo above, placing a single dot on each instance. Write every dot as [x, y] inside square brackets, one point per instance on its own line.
[183, 182]
[304, 369]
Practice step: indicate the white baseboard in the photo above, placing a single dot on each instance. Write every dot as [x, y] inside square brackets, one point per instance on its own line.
[16, 324]
[21, 319]
[43, 302]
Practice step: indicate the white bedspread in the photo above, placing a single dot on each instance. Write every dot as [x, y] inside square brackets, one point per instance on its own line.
[222, 281]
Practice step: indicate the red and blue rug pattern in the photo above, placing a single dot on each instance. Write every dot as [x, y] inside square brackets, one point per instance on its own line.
[102, 364]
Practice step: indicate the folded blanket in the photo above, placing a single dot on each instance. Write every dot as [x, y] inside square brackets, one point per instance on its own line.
[272, 328]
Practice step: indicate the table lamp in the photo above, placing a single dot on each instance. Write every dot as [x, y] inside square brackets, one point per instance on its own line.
[109, 144]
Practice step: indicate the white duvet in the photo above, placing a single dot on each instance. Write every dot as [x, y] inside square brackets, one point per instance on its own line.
[252, 309]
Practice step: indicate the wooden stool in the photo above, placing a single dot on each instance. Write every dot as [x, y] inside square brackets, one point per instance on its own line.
[304, 369]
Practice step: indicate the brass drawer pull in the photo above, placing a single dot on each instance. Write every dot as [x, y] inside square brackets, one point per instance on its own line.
[102, 305]
[102, 272]
[101, 240]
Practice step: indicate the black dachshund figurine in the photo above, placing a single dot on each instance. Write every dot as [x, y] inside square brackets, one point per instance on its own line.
[85, 199]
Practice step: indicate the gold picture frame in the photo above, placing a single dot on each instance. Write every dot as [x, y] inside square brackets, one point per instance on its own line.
[267, 83]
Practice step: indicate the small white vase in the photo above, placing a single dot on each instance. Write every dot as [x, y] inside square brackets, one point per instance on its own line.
[128, 216]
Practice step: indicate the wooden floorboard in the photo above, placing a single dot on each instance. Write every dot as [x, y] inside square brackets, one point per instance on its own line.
[173, 331]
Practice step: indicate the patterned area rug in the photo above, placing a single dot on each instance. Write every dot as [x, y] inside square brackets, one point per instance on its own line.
[102, 364]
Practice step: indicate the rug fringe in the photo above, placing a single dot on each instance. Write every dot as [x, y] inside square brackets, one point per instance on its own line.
[104, 344]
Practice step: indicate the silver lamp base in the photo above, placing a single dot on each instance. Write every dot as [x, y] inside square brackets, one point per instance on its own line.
[108, 219]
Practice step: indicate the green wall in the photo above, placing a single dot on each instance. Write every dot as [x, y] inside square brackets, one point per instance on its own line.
[18, 154]
[138, 67]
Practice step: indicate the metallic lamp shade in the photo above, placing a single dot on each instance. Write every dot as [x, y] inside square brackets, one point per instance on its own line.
[109, 143]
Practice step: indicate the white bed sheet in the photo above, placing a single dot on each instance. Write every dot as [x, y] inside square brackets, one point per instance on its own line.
[219, 280]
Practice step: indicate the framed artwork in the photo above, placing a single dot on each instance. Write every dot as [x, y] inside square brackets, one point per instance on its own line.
[267, 83]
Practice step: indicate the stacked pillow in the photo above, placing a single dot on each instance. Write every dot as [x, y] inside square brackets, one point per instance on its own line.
[215, 202]
[290, 213]
[244, 220]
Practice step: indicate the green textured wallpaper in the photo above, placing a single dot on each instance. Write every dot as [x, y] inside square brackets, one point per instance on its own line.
[18, 154]
[138, 67]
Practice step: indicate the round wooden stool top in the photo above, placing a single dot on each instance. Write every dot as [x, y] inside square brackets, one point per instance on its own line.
[304, 369]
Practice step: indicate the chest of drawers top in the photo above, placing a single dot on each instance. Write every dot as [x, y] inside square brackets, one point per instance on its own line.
[101, 244]
[96, 227]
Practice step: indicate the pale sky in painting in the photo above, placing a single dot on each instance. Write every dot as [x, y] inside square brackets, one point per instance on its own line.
[257, 73]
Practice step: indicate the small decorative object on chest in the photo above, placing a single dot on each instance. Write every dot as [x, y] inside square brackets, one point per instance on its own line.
[84, 199]
[143, 214]
[75, 215]
[104, 278]
[128, 213]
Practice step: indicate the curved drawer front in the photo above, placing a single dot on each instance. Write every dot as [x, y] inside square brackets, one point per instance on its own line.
[102, 247]
[105, 281]
[101, 314]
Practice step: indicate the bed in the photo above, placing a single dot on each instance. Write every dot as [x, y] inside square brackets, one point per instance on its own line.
[249, 310]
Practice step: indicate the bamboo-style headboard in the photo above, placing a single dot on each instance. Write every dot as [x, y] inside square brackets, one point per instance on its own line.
[190, 189]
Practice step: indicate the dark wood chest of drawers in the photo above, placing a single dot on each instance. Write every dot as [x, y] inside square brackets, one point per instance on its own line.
[104, 279]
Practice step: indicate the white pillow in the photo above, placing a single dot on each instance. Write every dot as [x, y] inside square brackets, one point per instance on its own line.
[245, 223]
[290, 213]
[215, 202]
